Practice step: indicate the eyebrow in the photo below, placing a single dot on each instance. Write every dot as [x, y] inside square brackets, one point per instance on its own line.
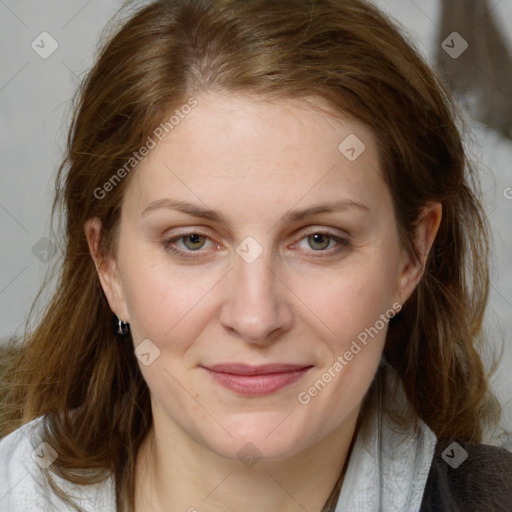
[215, 216]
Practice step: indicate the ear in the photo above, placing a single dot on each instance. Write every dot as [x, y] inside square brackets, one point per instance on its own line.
[412, 270]
[107, 269]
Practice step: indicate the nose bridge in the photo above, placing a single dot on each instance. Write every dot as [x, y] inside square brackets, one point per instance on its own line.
[254, 281]
[254, 305]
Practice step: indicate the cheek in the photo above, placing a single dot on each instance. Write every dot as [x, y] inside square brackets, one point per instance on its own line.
[351, 308]
[161, 297]
[348, 301]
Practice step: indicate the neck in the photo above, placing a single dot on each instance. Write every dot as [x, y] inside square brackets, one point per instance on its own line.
[174, 472]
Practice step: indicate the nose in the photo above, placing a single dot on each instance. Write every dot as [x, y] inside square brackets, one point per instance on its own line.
[255, 306]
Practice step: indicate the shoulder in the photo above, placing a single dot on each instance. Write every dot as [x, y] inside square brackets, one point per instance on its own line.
[20, 475]
[23, 485]
[468, 476]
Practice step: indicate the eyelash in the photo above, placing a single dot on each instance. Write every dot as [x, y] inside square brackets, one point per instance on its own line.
[343, 243]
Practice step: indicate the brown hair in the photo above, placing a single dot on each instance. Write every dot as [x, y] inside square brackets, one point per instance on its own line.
[76, 371]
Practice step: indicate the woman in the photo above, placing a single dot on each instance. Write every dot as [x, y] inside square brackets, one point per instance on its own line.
[274, 278]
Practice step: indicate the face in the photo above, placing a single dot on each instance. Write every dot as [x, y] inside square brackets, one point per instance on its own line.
[254, 253]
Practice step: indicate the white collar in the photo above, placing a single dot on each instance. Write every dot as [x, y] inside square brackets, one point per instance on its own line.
[389, 465]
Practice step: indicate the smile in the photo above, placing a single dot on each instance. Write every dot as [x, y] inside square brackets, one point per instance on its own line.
[256, 380]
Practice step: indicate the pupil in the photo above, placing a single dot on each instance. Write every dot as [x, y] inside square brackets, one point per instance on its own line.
[193, 241]
[319, 239]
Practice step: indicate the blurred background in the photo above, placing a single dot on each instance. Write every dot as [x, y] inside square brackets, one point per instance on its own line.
[48, 46]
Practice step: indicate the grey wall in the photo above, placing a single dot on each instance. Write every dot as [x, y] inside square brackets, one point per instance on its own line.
[35, 94]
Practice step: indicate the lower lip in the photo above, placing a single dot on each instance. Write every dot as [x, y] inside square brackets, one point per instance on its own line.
[257, 385]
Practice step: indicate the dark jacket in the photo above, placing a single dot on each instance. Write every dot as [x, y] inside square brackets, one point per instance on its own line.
[482, 482]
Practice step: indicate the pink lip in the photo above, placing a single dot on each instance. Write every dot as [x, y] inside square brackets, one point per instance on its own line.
[256, 380]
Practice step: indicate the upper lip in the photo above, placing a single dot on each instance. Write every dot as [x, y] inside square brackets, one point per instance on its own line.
[263, 369]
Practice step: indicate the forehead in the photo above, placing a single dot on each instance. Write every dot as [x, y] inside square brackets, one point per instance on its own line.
[246, 153]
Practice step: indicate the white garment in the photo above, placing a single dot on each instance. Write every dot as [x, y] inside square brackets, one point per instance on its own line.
[388, 467]
[22, 484]
[387, 470]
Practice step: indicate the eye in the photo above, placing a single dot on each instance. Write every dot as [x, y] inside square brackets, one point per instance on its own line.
[191, 242]
[321, 241]
[190, 245]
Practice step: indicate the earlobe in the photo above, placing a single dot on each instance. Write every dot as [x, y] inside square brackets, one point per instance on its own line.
[412, 269]
[106, 268]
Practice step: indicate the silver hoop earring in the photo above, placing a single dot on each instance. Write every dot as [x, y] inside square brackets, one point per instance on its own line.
[122, 328]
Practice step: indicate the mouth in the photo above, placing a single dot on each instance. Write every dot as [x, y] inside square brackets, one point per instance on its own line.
[256, 380]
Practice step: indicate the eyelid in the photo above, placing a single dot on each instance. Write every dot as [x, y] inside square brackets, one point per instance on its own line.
[169, 242]
[342, 240]
[324, 230]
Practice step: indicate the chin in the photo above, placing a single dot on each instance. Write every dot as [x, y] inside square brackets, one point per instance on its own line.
[259, 438]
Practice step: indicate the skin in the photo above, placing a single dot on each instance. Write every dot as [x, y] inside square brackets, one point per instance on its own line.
[301, 301]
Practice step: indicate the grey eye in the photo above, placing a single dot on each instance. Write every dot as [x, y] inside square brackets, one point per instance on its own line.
[319, 241]
[193, 241]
